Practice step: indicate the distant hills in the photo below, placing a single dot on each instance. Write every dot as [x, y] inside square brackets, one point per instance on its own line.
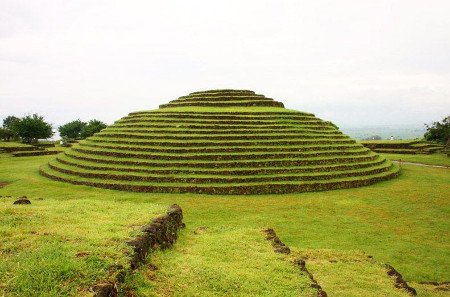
[385, 131]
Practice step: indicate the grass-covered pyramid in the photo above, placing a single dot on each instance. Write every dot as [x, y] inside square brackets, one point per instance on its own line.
[220, 142]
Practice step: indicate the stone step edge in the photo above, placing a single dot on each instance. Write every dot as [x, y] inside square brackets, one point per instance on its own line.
[280, 188]
[220, 157]
[222, 113]
[219, 131]
[227, 163]
[34, 153]
[224, 172]
[161, 233]
[221, 99]
[249, 122]
[225, 138]
[221, 143]
[218, 149]
[215, 127]
[280, 247]
[211, 104]
[215, 179]
[225, 91]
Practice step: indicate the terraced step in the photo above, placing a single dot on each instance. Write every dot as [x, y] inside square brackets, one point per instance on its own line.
[220, 142]
[221, 163]
[228, 92]
[221, 98]
[223, 122]
[223, 127]
[222, 137]
[208, 142]
[33, 153]
[227, 95]
[224, 112]
[12, 149]
[403, 146]
[206, 133]
[226, 131]
[396, 151]
[224, 104]
[218, 149]
[209, 116]
[67, 160]
[219, 157]
[193, 178]
[213, 188]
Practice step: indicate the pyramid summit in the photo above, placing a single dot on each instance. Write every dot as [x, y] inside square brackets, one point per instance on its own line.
[223, 98]
[220, 142]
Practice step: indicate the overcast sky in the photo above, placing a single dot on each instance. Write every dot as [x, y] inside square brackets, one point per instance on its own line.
[356, 63]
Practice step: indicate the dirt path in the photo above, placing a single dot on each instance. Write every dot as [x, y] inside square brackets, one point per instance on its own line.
[421, 164]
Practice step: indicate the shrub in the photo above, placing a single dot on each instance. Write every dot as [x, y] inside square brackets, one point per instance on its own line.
[438, 131]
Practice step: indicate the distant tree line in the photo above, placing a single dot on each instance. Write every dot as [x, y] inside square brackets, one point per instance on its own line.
[31, 128]
[373, 137]
[439, 131]
[80, 130]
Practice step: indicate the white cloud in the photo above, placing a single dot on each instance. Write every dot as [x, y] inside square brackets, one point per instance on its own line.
[354, 62]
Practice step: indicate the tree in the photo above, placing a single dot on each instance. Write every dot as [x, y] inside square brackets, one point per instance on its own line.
[9, 122]
[92, 127]
[78, 129]
[6, 134]
[72, 129]
[32, 128]
[373, 137]
[438, 131]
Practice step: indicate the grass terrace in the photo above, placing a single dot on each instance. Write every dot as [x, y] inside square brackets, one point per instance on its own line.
[403, 146]
[437, 159]
[221, 129]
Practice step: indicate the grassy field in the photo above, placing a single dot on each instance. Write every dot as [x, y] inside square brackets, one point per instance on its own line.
[222, 251]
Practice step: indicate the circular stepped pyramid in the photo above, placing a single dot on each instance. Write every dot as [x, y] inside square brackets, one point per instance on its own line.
[220, 142]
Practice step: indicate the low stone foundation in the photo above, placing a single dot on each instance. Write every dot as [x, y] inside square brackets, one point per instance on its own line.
[161, 233]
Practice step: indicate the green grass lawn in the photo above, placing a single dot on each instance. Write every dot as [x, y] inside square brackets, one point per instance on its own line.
[64, 248]
[65, 241]
[432, 159]
[404, 222]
